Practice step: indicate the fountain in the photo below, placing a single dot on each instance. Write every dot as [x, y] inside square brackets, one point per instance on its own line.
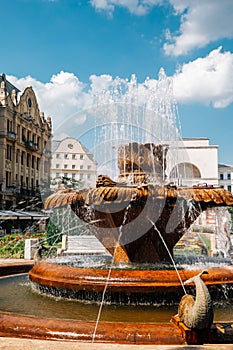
[138, 217]
[133, 222]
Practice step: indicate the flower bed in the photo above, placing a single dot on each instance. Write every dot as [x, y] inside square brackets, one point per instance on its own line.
[12, 245]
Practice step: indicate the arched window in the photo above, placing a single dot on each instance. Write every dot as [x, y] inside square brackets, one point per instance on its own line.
[185, 171]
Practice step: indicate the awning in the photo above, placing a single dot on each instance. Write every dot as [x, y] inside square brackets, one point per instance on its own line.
[21, 215]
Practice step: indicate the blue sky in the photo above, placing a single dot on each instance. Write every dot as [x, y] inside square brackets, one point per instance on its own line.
[65, 47]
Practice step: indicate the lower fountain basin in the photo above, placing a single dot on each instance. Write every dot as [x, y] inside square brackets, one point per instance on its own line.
[25, 313]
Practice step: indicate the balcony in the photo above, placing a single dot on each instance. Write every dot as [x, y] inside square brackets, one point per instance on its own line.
[47, 153]
[31, 145]
[26, 192]
[10, 189]
[11, 135]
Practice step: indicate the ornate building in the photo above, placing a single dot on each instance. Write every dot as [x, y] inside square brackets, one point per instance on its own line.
[25, 137]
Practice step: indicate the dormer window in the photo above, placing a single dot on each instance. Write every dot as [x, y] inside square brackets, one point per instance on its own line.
[29, 102]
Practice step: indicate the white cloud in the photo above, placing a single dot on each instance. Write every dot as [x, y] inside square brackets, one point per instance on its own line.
[202, 22]
[62, 97]
[207, 80]
[136, 7]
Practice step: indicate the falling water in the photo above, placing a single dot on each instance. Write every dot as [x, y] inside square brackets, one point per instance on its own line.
[109, 272]
[172, 260]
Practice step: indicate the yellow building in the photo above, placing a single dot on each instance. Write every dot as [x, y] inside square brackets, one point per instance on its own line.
[25, 143]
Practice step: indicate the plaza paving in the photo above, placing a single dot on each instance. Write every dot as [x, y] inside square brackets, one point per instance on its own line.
[29, 344]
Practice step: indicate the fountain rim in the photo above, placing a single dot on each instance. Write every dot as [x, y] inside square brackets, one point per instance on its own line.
[52, 274]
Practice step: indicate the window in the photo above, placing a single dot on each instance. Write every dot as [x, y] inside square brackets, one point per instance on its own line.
[28, 159]
[89, 167]
[57, 174]
[229, 188]
[73, 156]
[57, 166]
[33, 162]
[88, 176]
[81, 167]
[22, 157]
[8, 179]
[229, 176]
[65, 166]
[81, 156]
[73, 175]
[66, 156]
[23, 135]
[73, 166]
[8, 152]
[57, 155]
[17, 155]
[37, 163]
[81, 176]
[221, 176]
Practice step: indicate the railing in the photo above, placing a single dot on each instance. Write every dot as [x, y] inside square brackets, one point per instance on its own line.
[47, 153]
[10, 189]
[26, 192]
[11, 135]
[31, 145]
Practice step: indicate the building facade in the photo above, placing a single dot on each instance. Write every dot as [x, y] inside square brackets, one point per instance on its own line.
[25, 137]
[193, 161]
[71, 160]
[225, 173]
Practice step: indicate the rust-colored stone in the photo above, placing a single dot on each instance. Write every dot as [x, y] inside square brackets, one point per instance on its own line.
[219, 333]
[130, 226]
[122, 333]
[120, 280]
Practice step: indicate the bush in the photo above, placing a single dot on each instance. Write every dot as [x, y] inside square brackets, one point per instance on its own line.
[53, 234]
[12, 246]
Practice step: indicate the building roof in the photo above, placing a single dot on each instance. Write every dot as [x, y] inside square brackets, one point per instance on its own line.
[225, 166]
[56, 143]
[9, 86]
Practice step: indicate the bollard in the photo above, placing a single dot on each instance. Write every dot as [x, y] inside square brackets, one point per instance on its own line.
[30, 247]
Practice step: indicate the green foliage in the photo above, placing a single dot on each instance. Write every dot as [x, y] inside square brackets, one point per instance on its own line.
[12, 245]
[53, 233]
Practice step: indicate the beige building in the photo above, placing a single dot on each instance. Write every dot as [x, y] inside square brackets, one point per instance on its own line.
[24, 145]
[71, 160]
[225, 173]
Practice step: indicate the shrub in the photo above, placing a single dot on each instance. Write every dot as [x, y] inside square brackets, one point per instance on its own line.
[53, 234]
[12, 245]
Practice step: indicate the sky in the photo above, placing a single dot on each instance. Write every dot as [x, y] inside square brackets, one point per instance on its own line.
[68, 49]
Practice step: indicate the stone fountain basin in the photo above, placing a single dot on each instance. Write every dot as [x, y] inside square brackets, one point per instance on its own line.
[124, 285]
[170, 333]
